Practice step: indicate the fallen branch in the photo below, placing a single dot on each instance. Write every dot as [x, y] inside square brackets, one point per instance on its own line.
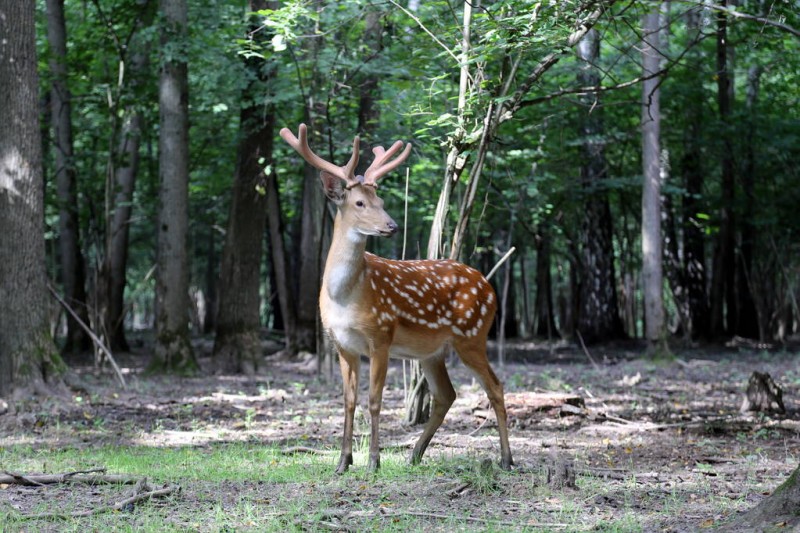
[38, 480]
[99, 343]
[141, 493]
[291, 450]
[423, 514]
[586, 351]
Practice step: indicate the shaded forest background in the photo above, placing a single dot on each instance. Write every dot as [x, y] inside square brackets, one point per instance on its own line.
[532, 126]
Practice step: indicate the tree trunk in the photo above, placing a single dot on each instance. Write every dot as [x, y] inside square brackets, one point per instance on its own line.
[778, 511]
[237, 347]
[310, 268]
[750, 323]
[173, 352]
[694, 256]
[723, 297]
[124, 183]
[598, 314]
[369, 113]
[280, 265]
[545, 317]
[28, 356]
[652, 275]
[72, 264]
[210, 318]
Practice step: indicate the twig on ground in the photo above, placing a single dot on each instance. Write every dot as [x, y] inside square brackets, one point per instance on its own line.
[452, 493]
[12, 478]
[586, 351]
[20, 479]
[291, 450]
[143, 494]
[423, 514]
[99, 343]
[617, 419]
[477, 429]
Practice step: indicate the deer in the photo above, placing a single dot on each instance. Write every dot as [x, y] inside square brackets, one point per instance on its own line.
[408, 309]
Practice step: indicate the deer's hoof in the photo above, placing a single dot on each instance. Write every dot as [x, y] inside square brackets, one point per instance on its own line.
[344, 463]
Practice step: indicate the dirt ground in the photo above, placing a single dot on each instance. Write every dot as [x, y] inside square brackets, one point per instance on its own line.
[660, 446]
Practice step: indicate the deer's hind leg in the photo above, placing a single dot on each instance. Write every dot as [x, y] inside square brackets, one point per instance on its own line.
[443, 396]
[473, 354]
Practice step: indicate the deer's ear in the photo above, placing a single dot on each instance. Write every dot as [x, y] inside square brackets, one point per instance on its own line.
[332, 186]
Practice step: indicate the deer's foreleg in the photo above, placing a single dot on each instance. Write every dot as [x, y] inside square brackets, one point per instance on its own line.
[378, 365]
[349, 365]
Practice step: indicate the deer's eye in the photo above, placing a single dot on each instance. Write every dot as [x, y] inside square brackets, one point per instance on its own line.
[359, 203]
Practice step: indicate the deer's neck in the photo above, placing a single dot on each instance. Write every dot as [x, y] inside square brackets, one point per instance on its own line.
[346, 266]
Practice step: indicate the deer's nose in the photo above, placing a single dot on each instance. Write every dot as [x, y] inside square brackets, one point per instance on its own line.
[391, 227]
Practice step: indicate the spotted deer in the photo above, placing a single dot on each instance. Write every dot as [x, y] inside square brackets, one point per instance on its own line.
[385, 308]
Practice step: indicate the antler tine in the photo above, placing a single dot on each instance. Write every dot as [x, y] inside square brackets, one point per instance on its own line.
[380, 167]
[350, 167]
[301, 147]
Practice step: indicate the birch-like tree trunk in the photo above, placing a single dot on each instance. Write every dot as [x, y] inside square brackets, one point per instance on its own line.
[173, 352]
[652, 275]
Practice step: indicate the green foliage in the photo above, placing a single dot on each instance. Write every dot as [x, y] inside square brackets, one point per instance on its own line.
[320, 57]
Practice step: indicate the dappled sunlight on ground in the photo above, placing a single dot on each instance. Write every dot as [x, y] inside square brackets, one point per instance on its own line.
[656, 445]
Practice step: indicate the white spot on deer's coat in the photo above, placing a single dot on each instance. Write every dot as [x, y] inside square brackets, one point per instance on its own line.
[457, 331]
[429, 307]
[490, 298]
[473, 290]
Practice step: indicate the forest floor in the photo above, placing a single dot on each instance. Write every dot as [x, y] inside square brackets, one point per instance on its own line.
[656, 446]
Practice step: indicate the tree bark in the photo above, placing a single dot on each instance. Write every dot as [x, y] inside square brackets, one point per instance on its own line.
[73, 276]
[28, 356]
[369, 113]
[280, 265]
[173, 352]
[694, 253]
[125, 176]
[310, 267]
[723, 296]
[652, 255]
[237, 347]
[777, 511]
[598, 314]
[545, 316]
[751, 324]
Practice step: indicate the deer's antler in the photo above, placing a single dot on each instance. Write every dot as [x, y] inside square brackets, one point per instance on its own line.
[346, 173]
[381, 165]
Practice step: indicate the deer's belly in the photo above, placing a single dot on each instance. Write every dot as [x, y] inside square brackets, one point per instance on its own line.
[349, 340]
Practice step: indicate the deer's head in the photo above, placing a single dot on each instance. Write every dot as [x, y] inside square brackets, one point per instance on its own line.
[356, 196]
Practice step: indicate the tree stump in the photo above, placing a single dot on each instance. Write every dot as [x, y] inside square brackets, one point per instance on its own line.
[763, 395]
[560, 473]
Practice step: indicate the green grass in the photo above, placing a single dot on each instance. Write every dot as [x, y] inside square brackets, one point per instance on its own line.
[245, 486]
